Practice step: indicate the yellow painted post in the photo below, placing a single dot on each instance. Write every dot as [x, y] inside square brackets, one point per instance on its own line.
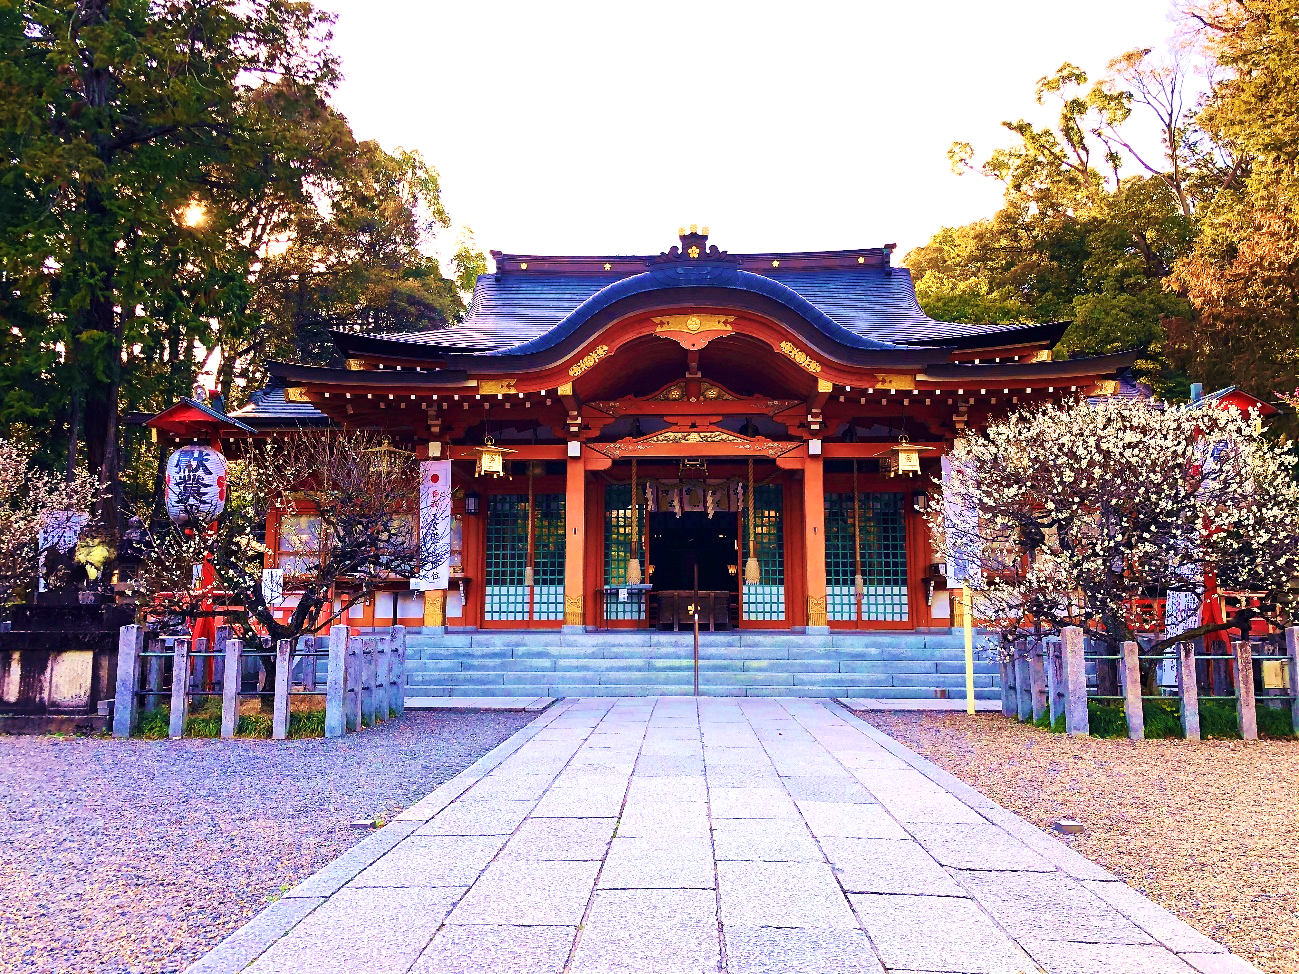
[967, 602]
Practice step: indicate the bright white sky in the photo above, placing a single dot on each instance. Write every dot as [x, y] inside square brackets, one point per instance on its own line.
[599, 128]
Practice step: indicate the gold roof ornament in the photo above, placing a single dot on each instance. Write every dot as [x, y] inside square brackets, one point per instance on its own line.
[904, 458]
[491, 459]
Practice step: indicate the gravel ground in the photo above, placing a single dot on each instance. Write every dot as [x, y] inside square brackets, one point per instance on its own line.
[139, 856]
[1208, 830]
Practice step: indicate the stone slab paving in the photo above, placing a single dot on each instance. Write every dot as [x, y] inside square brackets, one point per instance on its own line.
[712, 836]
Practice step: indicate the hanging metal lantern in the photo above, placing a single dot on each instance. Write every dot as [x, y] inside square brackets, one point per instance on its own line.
[491, 459]
[905, 457]
[195, 485]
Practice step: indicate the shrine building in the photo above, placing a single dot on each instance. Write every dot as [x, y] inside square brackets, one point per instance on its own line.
[753, 434]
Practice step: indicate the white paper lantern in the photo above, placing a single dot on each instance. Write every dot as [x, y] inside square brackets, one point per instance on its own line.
[196, 484]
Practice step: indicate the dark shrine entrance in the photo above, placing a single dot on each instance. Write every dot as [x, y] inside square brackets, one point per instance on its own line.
[694, 553]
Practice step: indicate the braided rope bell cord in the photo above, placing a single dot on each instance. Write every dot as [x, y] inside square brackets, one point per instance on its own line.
[633, 563]
[528, 573]
[859, 583]
[752, 570]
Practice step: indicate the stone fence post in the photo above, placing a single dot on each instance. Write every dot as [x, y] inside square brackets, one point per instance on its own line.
[180, 685]
[1037, 678]
[1292, 673]
[1023, 683]
[1246, 712]
[1131, 673]
[1189, 689]
[1055, 689]
[1076, 720]
[230, 688]
[335, 715]
[130, 643]
[397, 698]
[280, 717]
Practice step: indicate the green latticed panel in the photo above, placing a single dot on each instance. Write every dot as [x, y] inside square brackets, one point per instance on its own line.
[618, 549]
[507, 598]
[507, 554]
[883, 557]
[765, 602]
[548, 557]
[840, 563]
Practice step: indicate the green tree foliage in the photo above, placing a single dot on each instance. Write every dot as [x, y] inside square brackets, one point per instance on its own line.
[179, 197]
[360, 264]
[1242, 275]
[1079, 238]
[115, 116]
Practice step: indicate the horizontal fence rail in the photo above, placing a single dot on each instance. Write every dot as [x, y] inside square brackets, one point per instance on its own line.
[1056, 678]
[362, 677]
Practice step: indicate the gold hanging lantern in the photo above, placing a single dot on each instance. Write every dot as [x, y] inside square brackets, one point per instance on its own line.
[491, 459]
[904, 457]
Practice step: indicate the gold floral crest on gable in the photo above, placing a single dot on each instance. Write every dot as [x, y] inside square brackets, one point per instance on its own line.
[800, 357]
[589, 360]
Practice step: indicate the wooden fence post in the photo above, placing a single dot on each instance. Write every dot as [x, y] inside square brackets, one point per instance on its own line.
[1246, 708]
[230, 688]
[1037, 679]
[1076, 720]
[335, 713]
[1023, 684]
[1189, 689]
[1131, 670]
[1055, 690]
[180, 686]
[397, 700]
[130, 643]
[280, 715]
[1292, 674]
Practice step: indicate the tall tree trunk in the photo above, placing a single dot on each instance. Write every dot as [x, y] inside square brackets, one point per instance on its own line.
[74, 435]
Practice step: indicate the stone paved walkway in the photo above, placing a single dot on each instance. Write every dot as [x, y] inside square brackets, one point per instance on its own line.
[749, 836]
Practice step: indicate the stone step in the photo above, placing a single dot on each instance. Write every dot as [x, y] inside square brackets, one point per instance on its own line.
[547, 665]
[711, 690]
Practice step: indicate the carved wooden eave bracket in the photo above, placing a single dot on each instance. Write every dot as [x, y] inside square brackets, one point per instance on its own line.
[693, 331]
[690, 397]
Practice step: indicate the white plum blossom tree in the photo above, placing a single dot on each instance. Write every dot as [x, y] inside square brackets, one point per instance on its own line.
[31, 502]
[358, 494]
[1081, 514]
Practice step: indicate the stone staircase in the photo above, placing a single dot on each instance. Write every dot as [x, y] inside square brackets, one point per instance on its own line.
[479, 663]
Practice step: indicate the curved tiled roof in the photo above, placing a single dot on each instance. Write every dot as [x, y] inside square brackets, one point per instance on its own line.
[875, 304]
[272, 408]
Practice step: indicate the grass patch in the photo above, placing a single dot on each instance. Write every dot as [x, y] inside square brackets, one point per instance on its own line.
[154, 725]
[1275, 722]
[1106, 719]
[306, 723]
[1218, 719]
[1044, 721]
[1058, 727]
[1163, 719]
[204, 721]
